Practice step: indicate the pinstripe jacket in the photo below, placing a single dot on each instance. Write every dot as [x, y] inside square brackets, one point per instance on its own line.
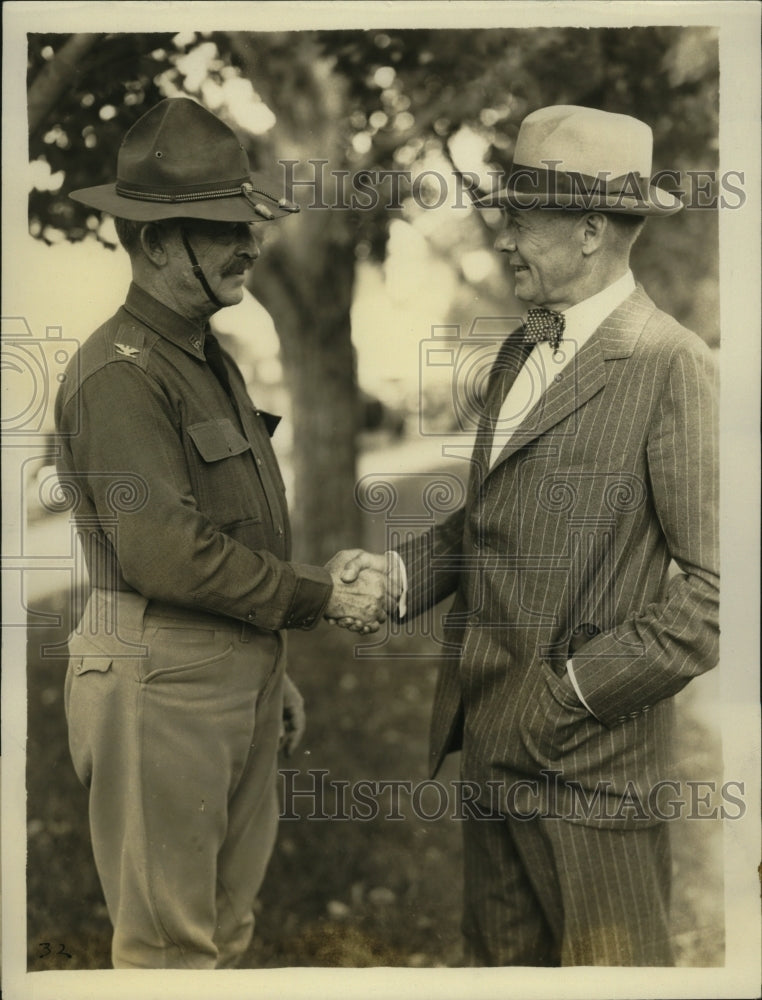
[595, 537]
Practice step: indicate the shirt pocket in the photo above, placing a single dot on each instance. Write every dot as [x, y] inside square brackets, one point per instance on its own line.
[217, 439]
[225, 481]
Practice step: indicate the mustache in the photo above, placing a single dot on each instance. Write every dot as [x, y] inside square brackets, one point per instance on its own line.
[239, 266]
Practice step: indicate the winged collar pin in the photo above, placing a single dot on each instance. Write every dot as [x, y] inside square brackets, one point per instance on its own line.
[126, 350]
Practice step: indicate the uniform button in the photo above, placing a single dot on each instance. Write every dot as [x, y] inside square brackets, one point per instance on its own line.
[259, 461]
[557, 378]
[251, 616]
[280, 531]
[78, 668]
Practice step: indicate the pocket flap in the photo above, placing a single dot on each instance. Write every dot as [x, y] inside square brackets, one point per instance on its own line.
[217, 439]
[86, 664]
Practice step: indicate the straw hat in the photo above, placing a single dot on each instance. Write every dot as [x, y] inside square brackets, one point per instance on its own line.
[575, 157]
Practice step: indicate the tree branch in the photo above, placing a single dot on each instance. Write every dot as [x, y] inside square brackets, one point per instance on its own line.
[480, 215]
[55, 77]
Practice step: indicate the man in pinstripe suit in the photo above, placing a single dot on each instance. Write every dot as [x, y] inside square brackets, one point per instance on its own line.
[592, 478]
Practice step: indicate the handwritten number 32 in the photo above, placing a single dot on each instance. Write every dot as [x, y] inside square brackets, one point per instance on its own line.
[48, 951]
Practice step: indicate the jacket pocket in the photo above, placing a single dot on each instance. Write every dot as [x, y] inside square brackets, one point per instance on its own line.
[561, 694]
[554, 723]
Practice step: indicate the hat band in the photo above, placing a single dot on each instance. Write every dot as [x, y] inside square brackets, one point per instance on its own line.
[243, 187]
[532, 181]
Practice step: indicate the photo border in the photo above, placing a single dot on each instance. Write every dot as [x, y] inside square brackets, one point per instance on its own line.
[738, 711]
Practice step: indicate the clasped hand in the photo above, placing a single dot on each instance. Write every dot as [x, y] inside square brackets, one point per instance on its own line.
[366, 588]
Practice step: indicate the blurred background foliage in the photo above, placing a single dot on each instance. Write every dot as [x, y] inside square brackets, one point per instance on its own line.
[402, 100]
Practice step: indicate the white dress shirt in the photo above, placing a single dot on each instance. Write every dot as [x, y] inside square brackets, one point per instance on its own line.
[542, 364]
[534, 377]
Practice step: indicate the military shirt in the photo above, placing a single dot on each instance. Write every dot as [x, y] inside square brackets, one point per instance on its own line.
[176, 490]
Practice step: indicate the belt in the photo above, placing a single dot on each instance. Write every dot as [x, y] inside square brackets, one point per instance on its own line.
[190, 616]
[134, 609]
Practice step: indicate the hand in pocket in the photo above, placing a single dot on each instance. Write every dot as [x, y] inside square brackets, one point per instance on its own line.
[555, 722]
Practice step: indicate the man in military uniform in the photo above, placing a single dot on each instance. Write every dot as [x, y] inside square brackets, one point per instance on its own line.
[176, 693]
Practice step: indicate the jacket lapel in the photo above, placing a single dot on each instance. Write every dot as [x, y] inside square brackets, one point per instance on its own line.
[510, 359]
[582, 379]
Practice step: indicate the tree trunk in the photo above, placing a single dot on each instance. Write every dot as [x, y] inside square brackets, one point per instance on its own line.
[305, 279]
[311, 308]
[321, 375]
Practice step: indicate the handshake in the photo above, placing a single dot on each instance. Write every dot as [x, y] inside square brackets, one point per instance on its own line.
[366, 588]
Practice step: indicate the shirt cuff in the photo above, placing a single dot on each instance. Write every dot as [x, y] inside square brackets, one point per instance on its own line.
[575, 685]
[402, 572]
[310, 598]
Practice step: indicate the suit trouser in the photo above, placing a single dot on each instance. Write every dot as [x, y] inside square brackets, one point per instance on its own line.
[550, 892]
[178, 747]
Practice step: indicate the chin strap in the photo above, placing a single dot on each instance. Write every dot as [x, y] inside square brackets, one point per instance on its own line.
[196, 268]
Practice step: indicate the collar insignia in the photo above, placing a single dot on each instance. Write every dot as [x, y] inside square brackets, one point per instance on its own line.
[127, 351]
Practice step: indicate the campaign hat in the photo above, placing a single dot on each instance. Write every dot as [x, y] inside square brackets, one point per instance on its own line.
[181, 161]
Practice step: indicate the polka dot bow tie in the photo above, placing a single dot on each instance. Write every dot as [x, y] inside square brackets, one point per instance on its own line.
[544, 324]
